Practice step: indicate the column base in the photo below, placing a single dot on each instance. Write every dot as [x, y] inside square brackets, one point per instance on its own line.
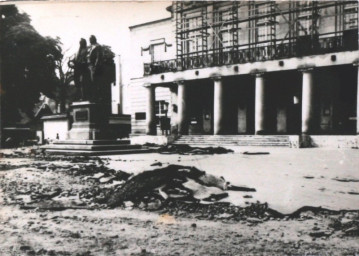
[305, 141]
[261, 132]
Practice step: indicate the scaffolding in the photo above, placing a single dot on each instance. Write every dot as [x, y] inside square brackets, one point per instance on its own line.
[219, 33]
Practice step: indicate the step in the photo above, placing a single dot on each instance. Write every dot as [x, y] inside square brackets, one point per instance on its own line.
[229, 141]
[234, 140]
[91, 147]
[93, 142]
[233, 144]
[98, 152]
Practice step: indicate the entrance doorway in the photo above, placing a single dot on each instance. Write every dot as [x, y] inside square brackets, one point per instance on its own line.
[200, 106]
[283, 95]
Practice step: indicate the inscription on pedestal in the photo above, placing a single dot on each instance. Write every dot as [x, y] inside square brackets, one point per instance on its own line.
[82, 115]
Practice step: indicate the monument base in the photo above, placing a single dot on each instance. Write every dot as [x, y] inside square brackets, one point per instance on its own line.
[90, 134]
[94, 147]
[90, 122]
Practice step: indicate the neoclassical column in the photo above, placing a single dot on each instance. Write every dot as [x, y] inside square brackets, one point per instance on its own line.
[150, 110]
[357, 65]
[218, 106]
[182, 115]
[260, 104]
[174, 108]
[307, 100]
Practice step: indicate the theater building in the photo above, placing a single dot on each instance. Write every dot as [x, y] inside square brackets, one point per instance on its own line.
[249, 68]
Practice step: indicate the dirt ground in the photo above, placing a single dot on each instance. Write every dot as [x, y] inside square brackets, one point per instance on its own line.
[47, 207]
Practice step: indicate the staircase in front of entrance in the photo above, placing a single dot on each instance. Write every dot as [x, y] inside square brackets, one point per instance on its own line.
[234, 140]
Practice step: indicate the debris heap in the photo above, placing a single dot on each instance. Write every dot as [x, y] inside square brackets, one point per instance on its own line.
[174, 182]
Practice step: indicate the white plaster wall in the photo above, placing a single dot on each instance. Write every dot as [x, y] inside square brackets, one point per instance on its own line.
[134, 92]
[141, 36]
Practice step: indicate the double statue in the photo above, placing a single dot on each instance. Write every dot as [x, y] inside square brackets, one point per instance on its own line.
[88, 69]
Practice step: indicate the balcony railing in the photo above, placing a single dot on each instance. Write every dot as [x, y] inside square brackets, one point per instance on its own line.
[256, 52]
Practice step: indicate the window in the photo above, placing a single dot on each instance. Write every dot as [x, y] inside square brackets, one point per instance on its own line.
[264, 25]
[140, 116]
[226, 29]
[161, 110]
[350, 15]
[193, 42]
[305, 17]
[227, 39]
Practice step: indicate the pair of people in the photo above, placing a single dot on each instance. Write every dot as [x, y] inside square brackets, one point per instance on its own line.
[87, 66]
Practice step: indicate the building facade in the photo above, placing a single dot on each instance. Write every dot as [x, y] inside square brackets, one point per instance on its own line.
[251, 67]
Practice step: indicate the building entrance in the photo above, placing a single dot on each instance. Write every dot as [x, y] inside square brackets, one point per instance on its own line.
[200, 108]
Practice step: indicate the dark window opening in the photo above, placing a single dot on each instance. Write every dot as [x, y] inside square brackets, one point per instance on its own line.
[140, 116]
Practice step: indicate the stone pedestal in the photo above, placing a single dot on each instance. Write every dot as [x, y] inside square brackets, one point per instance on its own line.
[90, 121]
[91, 134]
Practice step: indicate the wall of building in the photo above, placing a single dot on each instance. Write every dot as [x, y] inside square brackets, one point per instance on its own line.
[137, 96]
[334, 77]
[142, 36]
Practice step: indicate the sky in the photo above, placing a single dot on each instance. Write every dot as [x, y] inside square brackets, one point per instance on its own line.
[108, 21]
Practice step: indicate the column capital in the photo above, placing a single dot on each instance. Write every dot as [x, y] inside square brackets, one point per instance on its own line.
[257, 73]
[306, 69]
[216, 78]
[148, 85]
[180, 82]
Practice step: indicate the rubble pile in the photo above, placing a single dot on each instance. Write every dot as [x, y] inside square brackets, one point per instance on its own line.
[172, 182]
[346, 223]
[173, 188]
[254, 213]
[38, 154]
[188, 150]
[183, 190]
[89, 181]
[6, 166]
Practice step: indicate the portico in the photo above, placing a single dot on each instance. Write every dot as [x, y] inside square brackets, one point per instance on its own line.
[247, 98]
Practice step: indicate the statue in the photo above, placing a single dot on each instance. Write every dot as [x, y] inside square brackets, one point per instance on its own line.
[81, 71]
[90, 71]
[94, 60]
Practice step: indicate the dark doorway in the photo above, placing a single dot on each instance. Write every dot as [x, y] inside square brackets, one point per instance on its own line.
[200, 107]
[336, 100]
[283, 102]
[240, 104]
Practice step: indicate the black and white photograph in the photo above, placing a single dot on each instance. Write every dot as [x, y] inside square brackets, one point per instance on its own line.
[179, 128]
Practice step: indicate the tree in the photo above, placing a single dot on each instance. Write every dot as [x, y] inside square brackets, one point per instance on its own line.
[29, 64]
[109, 74]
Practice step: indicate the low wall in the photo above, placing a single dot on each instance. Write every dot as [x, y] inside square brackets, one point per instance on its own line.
[55, 127]
[158, 140]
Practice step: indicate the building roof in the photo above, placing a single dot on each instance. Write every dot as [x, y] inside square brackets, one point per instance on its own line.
[149, 23]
